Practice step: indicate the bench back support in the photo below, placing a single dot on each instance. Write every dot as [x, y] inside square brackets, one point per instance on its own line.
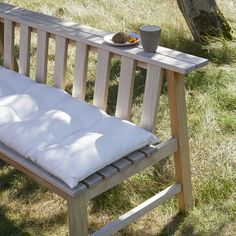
[127, 71]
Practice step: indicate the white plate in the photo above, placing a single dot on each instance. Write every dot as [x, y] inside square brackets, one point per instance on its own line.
[108, 39]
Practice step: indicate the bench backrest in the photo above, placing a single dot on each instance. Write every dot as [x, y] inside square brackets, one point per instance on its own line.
[87, 39]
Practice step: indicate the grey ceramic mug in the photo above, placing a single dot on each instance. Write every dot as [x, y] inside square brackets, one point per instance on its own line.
[150, 37]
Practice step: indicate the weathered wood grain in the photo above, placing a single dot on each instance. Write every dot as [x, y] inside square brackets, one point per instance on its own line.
[24, 46]
[178, 117]
[42, 57]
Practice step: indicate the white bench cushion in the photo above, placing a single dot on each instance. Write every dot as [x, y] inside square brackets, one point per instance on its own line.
[69, 138]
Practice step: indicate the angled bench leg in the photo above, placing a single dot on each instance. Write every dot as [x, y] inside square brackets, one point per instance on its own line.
[78, 216]
[178, 117]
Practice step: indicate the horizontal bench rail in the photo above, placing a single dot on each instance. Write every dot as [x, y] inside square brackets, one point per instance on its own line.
[165, 58]
[94, 184]
[163, 150]
[138, 211]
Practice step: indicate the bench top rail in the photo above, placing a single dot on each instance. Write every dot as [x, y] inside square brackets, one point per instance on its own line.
[165, 58]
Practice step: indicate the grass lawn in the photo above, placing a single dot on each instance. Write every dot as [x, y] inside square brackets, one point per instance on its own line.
[28, 209]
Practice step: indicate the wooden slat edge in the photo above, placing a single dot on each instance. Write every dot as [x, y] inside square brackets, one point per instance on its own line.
[108, 171]
[42, 57]
[80, 71]
[151, 98]
[126, 87]
[8, 44]
[102, 79]
[135, 156]
[92, 180]
[24, 45]
[60, 62]
[122, 164]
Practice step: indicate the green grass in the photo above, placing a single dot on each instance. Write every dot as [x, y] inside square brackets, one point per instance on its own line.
[28, 209]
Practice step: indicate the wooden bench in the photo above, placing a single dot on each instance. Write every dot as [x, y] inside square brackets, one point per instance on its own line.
[173, 63]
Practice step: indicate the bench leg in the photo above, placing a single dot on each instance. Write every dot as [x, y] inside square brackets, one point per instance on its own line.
[178, 117]
[78, 216]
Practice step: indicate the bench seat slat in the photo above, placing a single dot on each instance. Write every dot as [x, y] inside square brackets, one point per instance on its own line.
[166, 148]
[122, 164]
[135, 156]
[92, 180]
[107, 172]
[148, 150]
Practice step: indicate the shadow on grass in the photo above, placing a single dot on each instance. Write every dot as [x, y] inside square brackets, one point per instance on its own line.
[108, 201]
[24, 187]
[6, 180]
[9, 227]
[174, 225]
[56, 220]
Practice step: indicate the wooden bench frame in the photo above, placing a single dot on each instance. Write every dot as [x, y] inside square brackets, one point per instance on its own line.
[174, 64]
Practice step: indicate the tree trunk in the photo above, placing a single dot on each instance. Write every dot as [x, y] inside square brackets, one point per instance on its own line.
[204, 19]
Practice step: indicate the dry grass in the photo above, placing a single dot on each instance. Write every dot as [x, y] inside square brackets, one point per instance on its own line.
[28, 209]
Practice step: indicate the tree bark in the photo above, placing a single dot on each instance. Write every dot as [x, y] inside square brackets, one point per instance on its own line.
[204, 19]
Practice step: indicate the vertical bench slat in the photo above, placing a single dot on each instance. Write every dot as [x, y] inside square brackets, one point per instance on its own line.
[80, 73]
[152, 94]
[1, 37]
[126, 86]
[60, 62]
[8, 44]
[24, 58]
[102, 79]
[42, 57]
